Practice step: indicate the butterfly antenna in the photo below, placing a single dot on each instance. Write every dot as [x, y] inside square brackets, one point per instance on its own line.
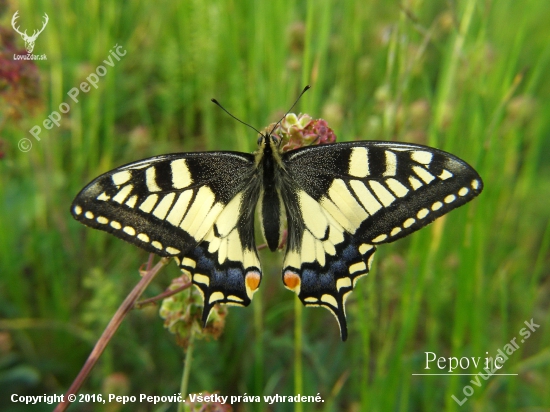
[237, 119]
[291, 107]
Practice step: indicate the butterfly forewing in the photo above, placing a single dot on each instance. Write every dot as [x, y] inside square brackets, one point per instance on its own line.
[170, 204]
[348, 197]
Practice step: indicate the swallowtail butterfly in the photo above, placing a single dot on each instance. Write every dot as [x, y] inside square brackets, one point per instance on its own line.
[338, 202]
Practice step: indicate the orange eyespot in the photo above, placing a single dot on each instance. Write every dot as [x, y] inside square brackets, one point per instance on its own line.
[291, 280]
[252, 280]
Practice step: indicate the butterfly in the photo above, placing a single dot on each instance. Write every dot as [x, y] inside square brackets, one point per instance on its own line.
[338, 202]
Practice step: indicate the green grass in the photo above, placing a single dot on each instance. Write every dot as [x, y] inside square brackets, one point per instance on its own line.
[467, 77]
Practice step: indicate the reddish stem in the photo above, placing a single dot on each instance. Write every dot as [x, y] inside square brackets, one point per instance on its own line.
[166, 294]
[108, 333]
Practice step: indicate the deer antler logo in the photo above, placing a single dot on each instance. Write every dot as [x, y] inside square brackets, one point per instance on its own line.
[29, 40]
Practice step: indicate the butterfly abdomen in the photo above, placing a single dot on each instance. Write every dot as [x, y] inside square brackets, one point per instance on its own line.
[271, 218]
[271, 208]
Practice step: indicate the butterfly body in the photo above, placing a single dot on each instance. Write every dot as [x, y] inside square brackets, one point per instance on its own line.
[337, 201]
[272, 212]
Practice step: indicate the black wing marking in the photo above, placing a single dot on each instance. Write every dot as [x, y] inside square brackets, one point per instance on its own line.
[193, 206]
[343, 199]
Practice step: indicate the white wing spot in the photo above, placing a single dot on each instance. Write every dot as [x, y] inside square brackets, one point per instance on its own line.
[423, 174]
[359, 162]
[214, 243]
[450, 199]
[180, 207]
[132, 201]
[397, 187]
[181, 176]
[311, 300]
[357, 267]
[250, 259]
[336, 232]
[149, 203]
[329, 248]
[234, 247]
[204, 200]
[143, 237]
[395, 231]
[365, 196]
[329, 299]
[190, 263]
[129, 230]
[156, 244]
[229, 217]
[335, 213]
[103, 220]
[216, 296]
[475, 184]
[437, 206]
[173, 250]
[320, 253]
[308, 247]
[383, 194]
[89, 215]
[121, 177]
[164, 206]
[343, 283]
[208, 222]
[415, 183]
[151, 179]
[314, 219]
[409, 222]
[422, 213]
[292, 258]
[344, 200]
[421, 156]
[77, 210]
[222, 250]
[123, 194]
[391, 164]
[235, 298]
[103, 197]
[463, 192]
[116, 225]
[445, 174]
[380, 238]
[202, 279]
[364, 248]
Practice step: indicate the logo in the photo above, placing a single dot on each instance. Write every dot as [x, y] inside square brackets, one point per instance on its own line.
[29, 40]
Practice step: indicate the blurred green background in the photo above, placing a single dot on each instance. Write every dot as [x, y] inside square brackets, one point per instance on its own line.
[469, 77]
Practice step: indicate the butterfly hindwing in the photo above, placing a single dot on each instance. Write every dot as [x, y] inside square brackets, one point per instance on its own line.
[345, 198]
[225, 265]
[192, 206]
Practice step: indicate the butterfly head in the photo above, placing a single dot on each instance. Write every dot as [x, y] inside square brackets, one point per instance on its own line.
[269, 140]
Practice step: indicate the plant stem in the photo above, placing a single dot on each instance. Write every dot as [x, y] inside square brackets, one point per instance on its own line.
[166, 294]
[186, 370]
[108, 333]
[298, 376]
